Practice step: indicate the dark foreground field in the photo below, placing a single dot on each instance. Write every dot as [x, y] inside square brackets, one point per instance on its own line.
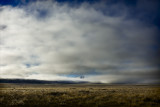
[79, 95]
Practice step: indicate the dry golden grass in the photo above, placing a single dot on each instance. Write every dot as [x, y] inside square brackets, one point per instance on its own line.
[82, 95]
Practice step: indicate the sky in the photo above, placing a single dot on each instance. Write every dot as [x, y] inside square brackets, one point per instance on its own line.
[111, 41]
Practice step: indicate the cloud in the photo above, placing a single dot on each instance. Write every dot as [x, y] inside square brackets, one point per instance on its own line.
[50, 39]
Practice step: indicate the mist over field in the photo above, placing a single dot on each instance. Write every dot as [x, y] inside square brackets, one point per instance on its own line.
[97, 41]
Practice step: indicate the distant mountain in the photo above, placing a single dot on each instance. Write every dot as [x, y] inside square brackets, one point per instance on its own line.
[29, 81]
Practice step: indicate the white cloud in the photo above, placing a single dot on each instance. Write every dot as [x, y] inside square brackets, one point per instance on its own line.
[48, 39]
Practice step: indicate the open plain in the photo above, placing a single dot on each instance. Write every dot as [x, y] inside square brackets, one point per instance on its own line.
[79, 95]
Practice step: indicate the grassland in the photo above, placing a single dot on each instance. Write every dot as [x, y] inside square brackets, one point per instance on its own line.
[79, 95]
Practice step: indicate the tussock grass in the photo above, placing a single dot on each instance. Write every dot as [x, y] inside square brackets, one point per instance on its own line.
[79, 95]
